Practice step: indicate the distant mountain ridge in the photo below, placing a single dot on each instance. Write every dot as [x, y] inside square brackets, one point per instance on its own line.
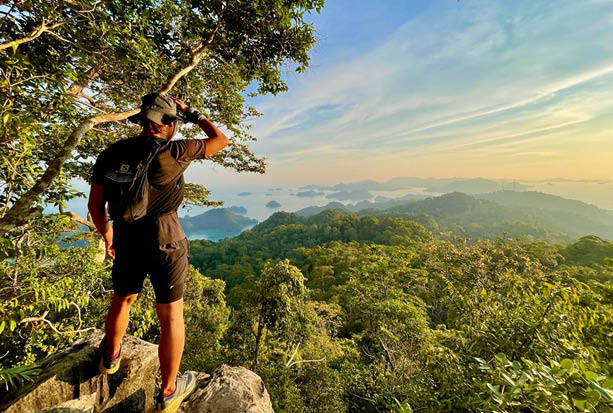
[541, 200]
[240, 210]
[515, 213]
[438, 185]
[473, 186]
[306, 194]
[533, 214]
[360, 206]
[350, 195]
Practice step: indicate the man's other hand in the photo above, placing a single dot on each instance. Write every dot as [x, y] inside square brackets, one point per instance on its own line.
[180, 104]
[110, 249]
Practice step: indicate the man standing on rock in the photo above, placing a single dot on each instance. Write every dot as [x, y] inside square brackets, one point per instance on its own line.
[141, 180]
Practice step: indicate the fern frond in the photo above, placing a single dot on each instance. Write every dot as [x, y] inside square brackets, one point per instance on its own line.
[18, 375]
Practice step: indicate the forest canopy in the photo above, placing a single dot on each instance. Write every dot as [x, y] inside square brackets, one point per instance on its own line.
[347, 313]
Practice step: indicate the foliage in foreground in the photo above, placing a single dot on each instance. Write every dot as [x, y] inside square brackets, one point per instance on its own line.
[345, 324]
[412, 322]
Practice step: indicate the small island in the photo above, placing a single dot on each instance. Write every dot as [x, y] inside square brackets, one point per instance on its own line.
[308, 194]
[217, 221]
[244, 194]
[273, 204]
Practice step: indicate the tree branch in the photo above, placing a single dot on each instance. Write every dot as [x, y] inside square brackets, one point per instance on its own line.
[60, 37]
[80, 102]
[35, 34]
[289, 363]
[80, 220]
[77, 87]
[388, 356]
[219, 59]
[8, 13]
[88, 98]
[17, 214]
[44, 320]
[197, 55]
[306, 361]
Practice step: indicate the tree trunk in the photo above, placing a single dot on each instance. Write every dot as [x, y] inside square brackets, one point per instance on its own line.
[258, 339]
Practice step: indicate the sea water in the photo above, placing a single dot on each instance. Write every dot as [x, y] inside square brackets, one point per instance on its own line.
[255, 203]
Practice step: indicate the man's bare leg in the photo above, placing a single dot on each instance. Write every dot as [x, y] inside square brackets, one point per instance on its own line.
[172, 341]
[117, 322]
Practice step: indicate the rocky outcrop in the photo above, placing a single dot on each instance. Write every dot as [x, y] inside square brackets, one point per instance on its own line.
[230, 390]
[73, 375]
[71, 383]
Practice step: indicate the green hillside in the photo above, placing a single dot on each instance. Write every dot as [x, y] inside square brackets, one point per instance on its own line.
[314, 210]
[380, 203]
[514, 213]
[588, 250]
[542, 201]
[222, 219]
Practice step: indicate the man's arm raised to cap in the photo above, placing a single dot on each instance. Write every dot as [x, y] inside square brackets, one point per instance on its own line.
[216, 141]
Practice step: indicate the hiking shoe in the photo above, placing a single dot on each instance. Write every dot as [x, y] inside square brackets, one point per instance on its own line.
[107, 364]
[185, 385]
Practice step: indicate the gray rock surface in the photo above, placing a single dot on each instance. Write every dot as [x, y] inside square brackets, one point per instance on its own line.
[230, 390]
[72, 375]
[71, 383]
[84, 404]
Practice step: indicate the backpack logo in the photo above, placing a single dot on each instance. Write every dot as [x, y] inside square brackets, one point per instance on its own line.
[124, 168]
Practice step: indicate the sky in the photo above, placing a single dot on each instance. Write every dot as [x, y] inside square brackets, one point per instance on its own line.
[441, 88]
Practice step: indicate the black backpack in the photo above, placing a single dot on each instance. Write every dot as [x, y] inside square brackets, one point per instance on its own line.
[125, 167]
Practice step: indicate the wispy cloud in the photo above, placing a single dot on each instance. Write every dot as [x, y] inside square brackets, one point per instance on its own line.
[466, 84]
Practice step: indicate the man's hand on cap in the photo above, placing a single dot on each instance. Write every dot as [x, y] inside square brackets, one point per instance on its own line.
[181, 105]
[191, 115]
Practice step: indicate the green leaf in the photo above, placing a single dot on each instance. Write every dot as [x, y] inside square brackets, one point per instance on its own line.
[508, 379]
[606, 394]
[590, 375]
[580, 404]
[18, 375]
[12, 324]
[516, 366]
[567, 364]
[593, 396]
[2, 325]
[607, 384]
[501, 357]
[494, 389]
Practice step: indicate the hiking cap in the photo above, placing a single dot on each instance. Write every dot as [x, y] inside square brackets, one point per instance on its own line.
[158, 108]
